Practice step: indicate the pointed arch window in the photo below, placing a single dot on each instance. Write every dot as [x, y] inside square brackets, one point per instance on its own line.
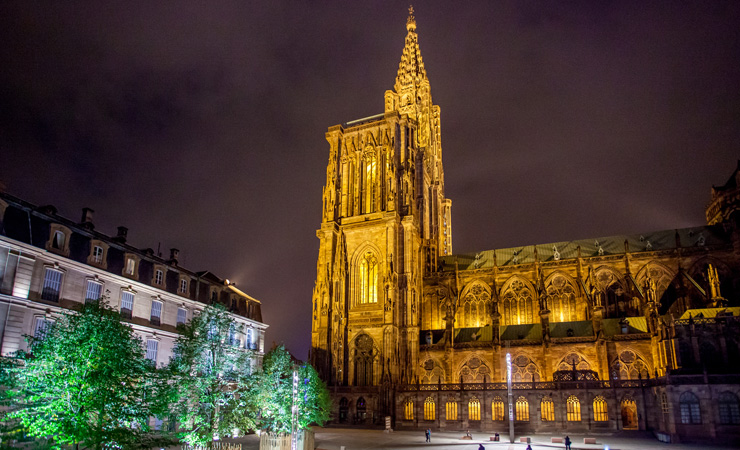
[497, 408]
[562, 299]
[518, 305]
[364, 361]
[474, 409]
[430, 409]
[600, 411]
[369, 183]
[476, 308]
[522, 409]
[368, 279]
[547, 410]
[573, 409]
[451, 410]
[408, 410]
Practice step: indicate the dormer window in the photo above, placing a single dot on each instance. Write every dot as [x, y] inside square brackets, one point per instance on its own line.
[98, 253]
[183, 286]
[58, 240]
[130, 266]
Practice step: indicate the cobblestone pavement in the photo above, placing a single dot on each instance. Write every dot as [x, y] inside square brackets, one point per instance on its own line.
[358, 439]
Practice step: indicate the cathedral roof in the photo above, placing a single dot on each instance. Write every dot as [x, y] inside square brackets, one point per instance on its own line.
[708, 313]
[411, 68]
[703, 236]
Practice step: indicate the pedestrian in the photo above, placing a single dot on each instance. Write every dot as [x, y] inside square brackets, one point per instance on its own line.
[567, 443]
[467, 433]
[429, 435]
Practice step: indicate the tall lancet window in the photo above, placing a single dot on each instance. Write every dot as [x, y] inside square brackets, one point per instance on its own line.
[369, 184]
[368, 279]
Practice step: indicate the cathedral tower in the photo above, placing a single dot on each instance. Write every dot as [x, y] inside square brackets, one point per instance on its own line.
[385, 222]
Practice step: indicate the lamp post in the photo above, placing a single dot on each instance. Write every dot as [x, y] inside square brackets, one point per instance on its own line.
[294, 413]
[511, 394]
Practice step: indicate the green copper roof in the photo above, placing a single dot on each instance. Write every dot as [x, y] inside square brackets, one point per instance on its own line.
[612, 245]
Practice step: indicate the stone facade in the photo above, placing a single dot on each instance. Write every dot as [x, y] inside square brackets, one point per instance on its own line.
[603, 334]
[49, 264]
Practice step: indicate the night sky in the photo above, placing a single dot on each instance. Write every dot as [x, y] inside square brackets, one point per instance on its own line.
[200, 125]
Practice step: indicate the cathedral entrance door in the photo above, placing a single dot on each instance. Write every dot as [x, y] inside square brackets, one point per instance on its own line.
[629, 414]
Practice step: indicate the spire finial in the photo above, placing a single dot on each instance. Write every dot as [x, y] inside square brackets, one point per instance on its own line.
[411, 21]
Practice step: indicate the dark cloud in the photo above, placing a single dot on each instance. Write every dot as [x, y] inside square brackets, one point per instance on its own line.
[201, 125]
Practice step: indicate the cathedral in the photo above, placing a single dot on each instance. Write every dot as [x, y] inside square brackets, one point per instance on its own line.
[631, 332]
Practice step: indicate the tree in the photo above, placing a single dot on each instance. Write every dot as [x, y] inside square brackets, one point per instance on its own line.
[209, 373]
[84, 380]
[272, 388]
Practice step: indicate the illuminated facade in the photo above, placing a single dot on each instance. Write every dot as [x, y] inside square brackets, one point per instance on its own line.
[622, 332]
[49, 264]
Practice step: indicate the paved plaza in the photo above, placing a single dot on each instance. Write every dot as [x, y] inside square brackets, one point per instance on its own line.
[359, 439]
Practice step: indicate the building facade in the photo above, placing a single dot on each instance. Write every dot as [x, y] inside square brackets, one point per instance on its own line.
[49, 264]
[630, 332]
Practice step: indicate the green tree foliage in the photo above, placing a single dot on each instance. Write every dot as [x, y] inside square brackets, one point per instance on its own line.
[272, 389]
[84, 380]
[209, 376]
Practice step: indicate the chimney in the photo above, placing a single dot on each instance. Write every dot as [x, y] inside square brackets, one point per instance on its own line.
[87, 218]
[121, 236]
[174, 253]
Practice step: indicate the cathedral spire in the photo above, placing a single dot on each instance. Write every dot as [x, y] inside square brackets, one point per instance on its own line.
[411, 70]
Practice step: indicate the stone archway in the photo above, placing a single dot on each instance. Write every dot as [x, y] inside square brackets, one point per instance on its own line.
[628, 411]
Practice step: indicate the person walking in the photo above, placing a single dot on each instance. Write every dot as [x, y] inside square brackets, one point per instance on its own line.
[429, 435]
[567, 443]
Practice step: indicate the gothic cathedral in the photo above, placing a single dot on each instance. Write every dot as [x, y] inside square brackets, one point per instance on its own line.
[385, 221]
[630, 332]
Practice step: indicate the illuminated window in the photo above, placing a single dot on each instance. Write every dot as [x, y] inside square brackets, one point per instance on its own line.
[573, 409]
[127, 304]
[729, 409]
[408, 410]
[476, 308]
[93, 290]
[547, 410]
[52, 285]
[600, 412]
[369, 184]
[690, 411]
[518, 305]
[368, 279]
[451, 410]
[562, 299]
[97, 254]
[522, 409]
[151, 350]
[130, 266]
[156, 312]
[474, 409]
[497, 408]
[430, 411]
[158, 277]
[183, 286]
